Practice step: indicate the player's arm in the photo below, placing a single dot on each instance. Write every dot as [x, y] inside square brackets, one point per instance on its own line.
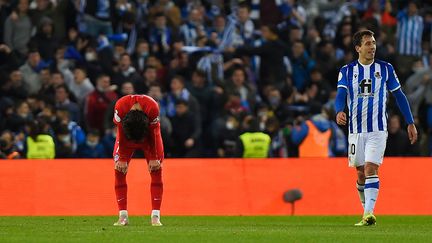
[402, 102]
[156, 153]
[119, 112]
[341, 95]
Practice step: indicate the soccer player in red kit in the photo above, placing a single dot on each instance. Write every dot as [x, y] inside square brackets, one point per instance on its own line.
[138, 127]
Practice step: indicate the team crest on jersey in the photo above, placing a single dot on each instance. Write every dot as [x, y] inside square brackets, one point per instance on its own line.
[355, 75]
[377, 75]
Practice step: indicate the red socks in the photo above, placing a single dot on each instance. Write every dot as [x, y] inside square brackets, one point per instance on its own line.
[156, 189]
[121, 190]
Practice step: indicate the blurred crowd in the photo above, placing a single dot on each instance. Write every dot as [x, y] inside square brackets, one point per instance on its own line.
[219, 69]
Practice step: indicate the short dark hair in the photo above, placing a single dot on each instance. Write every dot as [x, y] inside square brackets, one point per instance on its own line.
[358, 36]
[135, 125]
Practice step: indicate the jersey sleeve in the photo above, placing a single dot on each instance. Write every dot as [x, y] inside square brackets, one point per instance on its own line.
[120, 110]
[392, 81]
[342, 78]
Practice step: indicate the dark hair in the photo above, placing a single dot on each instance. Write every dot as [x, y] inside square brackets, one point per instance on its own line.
[358, 36]
[147, 67]
[271, 28]
[159, 14]
[124, 54]
[244, 5]
[181, 102]
[36, 127]
[102, 75]
[135, 125]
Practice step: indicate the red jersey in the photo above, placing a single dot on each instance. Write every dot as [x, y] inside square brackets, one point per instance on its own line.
[152, 144]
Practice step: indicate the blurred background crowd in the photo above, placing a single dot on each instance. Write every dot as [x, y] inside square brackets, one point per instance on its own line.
[233, 78]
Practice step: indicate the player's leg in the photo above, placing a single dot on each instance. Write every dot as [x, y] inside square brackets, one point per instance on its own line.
[120, 185]
[356, 159]
[156, 188]
[360, 184]
[375, 147]
[371, 191]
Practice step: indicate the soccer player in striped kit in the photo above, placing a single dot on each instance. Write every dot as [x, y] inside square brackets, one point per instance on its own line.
[363, 86]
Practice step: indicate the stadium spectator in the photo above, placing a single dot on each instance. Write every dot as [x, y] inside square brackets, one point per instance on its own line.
[95, 17]
[227, 141]
[185, 132]
[63, 143]
[161, 37]
[9, 60]
[126, 72]
[48, 88]
[39, 144]
[77, 135]
[313, 136]
[19, 118]
[18, 27]
[416, 86]
[252, 143]
[302, 64]
[62, 101]
[239, 83]
[271, 52]
[239, 28]
[155, 91]
[92, 148]
[78, 83]
[150, 77]
[193, 28]
[30, 71]
[8, 149]
[45, 40]
[97, 103]
[128, 30]
[5, 10]
[397, 142]
[169, 9]
[179, 91]
[278, 145]
[14, 86]
[139, 57]
[108, 140]
[409, 37]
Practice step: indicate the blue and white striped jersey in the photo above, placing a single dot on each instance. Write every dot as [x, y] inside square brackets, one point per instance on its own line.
[409, 34]
[367, 87]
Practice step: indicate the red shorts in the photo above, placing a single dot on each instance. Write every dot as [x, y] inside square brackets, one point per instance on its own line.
[125, 153]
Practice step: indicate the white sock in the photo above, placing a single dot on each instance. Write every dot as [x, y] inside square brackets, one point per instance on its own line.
[155, 213]
[371, 189]
[360, 190]
[123, 213]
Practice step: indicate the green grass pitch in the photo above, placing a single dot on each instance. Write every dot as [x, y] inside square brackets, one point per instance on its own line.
[216, 229]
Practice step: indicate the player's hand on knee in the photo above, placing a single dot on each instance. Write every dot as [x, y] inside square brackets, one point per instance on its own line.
[154, 165]
[121, 166]
[341, 118]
